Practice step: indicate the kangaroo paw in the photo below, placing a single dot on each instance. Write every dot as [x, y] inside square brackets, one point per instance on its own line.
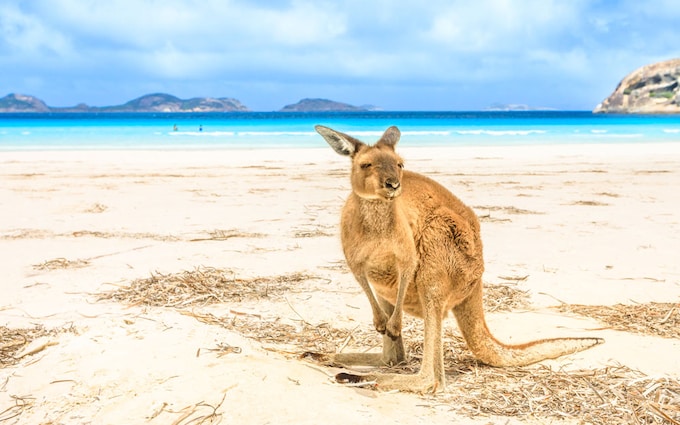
[387, 382]
[317, 357]
[393, 329]
[380, 323]
[352, 378]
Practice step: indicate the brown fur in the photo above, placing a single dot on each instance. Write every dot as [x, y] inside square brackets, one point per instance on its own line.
[415, 247]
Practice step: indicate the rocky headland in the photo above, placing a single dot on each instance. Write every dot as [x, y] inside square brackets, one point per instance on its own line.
[652, 89]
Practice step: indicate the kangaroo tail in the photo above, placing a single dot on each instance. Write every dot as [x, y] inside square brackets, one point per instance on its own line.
[470, 317]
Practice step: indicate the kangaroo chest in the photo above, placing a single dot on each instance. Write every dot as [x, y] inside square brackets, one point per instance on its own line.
[379, 246]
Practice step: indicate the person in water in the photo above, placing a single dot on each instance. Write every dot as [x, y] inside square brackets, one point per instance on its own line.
[174, 127]
[200, 127]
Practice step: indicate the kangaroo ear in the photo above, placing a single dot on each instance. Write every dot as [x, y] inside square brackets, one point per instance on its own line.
[390, 137]
[341, 143]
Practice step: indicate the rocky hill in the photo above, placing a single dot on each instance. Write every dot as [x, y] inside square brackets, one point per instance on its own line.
[321, 105]
[652, 89]
[515, 107]
[160, 102]
[157, 102]
[22, 103]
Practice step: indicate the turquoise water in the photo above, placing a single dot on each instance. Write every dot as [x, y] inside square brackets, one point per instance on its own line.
[286, 130]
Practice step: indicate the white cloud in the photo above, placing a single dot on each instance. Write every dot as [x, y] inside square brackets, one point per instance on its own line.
[658, 9]
[23, 35]
[280, 45]
[303, 24]
[575, 62]
[501, 25]
[182, 39]
[194, 24]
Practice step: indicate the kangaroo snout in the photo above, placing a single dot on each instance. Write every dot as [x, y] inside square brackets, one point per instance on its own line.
[392, 184]
[392, 187]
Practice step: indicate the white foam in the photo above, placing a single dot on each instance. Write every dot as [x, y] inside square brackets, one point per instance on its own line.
[427, 133]
[201, 133]
[500, 132]
[277, 133]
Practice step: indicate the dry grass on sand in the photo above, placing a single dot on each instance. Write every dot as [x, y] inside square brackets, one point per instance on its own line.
[660, 319]
[613, 394]
[17, 343]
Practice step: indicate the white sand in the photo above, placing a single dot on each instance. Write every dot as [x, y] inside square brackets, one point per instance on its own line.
[601, 226]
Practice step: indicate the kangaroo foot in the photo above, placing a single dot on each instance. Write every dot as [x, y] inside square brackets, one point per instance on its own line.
[317, 357]
[389, 381]
[348, 359]
[353, 378]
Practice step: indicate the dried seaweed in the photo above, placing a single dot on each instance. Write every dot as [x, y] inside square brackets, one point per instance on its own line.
[96, 208]
[313, 233]
[223, 235]
[612, 394]
[504, 298]
[590, 203]
[506, 209]
[201, 286]
[660, 319]
[13, 341]
[45, 234]
[61, 263]
[14, 411]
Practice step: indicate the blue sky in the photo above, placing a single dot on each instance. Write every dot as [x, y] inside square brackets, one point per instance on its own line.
[398, 55]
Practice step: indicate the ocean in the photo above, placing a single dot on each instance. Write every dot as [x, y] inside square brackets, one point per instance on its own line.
[254, 130]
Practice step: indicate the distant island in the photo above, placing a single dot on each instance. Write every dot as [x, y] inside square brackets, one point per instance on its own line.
[161, 102]
[324, 105]
[156, 102]
[512, 107]
[652, 89]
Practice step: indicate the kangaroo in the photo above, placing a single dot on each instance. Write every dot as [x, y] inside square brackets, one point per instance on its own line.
[415, 247]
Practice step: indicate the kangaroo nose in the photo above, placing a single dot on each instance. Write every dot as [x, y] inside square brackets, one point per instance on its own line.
[392, 184]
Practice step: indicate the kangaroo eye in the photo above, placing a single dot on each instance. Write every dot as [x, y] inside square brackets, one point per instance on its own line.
[365, 165]
[400, 165]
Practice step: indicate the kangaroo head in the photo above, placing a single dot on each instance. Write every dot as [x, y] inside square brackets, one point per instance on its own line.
[376, 169]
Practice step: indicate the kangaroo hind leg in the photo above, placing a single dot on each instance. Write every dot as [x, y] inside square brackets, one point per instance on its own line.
[431, 377]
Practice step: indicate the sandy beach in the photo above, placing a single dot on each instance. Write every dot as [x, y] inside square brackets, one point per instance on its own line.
[181, 287]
